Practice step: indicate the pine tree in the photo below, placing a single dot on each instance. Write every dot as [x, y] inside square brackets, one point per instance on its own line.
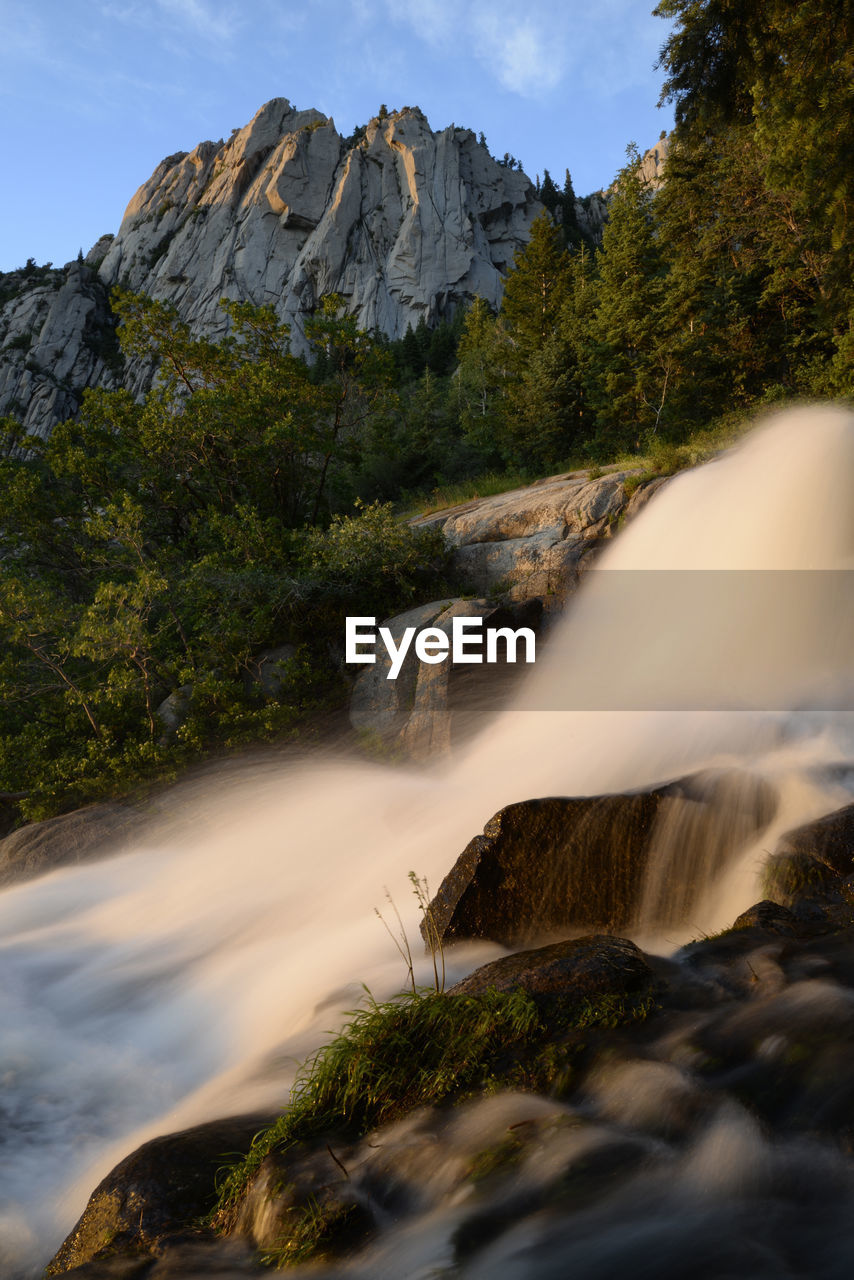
[549, 194]
[479, 382]
[536, 288]
[631, 352]
[756, 208]
[572, 233]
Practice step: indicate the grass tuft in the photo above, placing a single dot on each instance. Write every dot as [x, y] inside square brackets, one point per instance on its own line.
[421, 1049]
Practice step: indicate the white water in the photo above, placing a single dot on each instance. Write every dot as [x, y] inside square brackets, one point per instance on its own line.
[179, 980]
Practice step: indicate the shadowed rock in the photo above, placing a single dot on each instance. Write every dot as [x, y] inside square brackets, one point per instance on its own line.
[766, 915]
[543, 866]
[578, 969]
[81, 836]
[812, 861]
[157, 1191]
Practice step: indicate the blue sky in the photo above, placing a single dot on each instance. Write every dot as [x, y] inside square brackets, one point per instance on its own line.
[96, 92]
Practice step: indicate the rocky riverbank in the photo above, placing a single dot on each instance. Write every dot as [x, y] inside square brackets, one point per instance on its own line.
[581, 1106]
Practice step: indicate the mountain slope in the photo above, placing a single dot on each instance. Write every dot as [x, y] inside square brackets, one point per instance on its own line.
[402, 221]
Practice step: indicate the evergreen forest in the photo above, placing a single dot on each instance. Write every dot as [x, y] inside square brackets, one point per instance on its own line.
[155, 547]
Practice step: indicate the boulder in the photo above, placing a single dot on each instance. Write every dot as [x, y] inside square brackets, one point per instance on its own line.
[173, 711]
[573, 971]
[81, 836]
[446, 691]
[268, 670]
[416, 712]
[542, 867]
[534, 542]
[812, 861]
[159, 1190]
[380, 706]
[179, 1260]
[766, 915]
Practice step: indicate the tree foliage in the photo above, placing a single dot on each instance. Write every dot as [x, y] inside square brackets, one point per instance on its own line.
[158, 545]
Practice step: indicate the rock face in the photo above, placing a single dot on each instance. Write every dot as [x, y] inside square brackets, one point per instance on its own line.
[536, 541]
[419, 710]
[543, 867]
[653, 163]
[813, 861]
[56, 339]
[527, 548]
[403, 222]
[81, 836]
[572, 971]
[158, 1191]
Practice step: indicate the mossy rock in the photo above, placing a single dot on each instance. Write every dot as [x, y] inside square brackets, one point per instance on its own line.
[161, 1189]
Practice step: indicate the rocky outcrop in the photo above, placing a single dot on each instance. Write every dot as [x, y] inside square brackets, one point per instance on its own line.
[524, 553]
[81, 836]
[403, 222]
[814, 861]
[537, 541]
[422, 711]
[56, 339]
[543, 867]
[653, 163]
[570, 972]
[157, 1192]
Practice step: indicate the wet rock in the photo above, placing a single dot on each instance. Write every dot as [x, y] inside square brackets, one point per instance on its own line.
[179, 1260]
[301, 1205]
[445, 691]
[766, 915]
[655, 1098]
[159, 1190]
[643, 493]
[573, 971]
[418, 712]
[82, 836]
[829, 839]
[545, 866]
[812, 862]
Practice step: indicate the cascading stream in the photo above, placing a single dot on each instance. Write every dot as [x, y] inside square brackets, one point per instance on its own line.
[183, 978]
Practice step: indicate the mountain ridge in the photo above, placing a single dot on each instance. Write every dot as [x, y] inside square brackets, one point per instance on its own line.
[401, 221]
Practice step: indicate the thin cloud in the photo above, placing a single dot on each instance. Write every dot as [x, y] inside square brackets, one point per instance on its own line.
[219, 23]
[524, 54]
[532, 50]
[436, 22]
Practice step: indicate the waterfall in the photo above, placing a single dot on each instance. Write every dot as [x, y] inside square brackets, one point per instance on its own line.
[184, 977]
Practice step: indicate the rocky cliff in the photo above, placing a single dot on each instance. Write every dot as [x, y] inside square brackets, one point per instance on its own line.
[401, 221]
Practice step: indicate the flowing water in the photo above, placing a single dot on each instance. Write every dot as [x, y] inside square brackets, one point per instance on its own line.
[184, 977]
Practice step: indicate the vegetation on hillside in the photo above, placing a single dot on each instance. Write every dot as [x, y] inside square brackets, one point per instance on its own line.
[158, 546]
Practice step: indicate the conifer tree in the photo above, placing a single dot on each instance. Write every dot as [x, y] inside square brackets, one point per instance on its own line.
[630, 355]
